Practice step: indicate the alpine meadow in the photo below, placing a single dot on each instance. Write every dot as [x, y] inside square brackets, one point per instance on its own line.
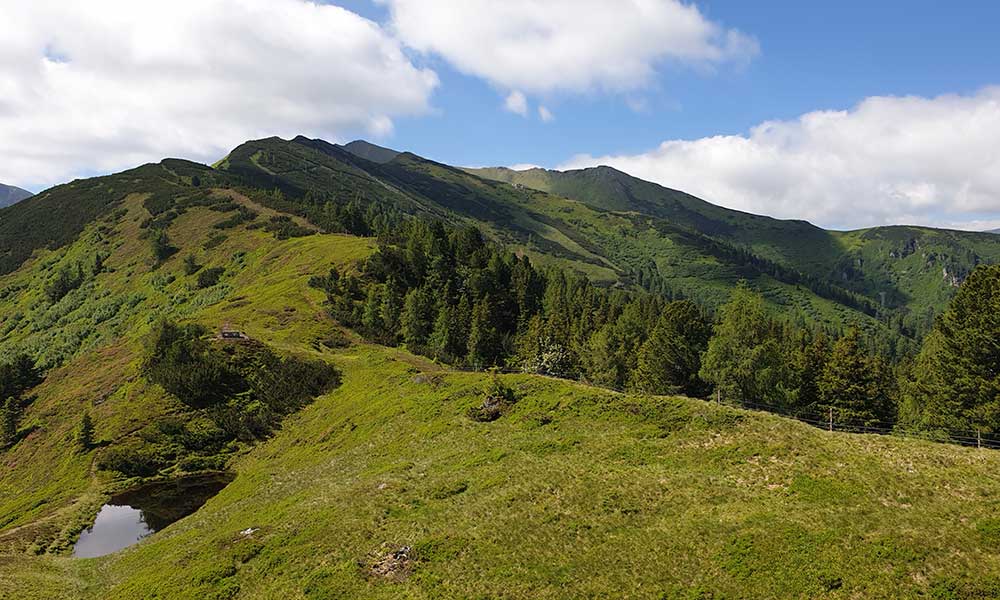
[309, 369]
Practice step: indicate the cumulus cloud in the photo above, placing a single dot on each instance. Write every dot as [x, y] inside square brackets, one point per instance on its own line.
[105, 84]
[548, 46]
[933, 161]
[516, 103]
[545, 114]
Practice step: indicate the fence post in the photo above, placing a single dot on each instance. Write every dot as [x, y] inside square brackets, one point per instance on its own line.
[831, 418]
[979, 439]
[718, 395]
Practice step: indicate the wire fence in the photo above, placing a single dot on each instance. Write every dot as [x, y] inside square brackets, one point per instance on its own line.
[832, 419]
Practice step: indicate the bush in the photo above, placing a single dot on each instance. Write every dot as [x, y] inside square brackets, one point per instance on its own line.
[133, 460]
[66, 280]
[242, 215]
[497, 399]
[190, 265]
[162, 250]
[283, 227]
[209, 277]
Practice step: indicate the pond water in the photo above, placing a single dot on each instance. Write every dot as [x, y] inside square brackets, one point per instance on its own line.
[130, 516]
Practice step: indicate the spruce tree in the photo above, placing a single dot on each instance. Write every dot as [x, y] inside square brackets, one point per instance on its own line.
[956, 378]
[415, 320]
[9, 419]
[852, 383]
[669, 360]
[744, 360]
[392, 307]
[85, 433]
[483, 346]
[441, 341]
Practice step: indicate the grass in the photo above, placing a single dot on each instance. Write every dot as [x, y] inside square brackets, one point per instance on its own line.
[576, 492]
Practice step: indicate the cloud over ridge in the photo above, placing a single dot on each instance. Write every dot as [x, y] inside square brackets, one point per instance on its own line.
[886, 160]
[107, 84]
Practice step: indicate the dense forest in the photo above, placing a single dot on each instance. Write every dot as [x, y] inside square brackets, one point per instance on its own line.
[451, 295]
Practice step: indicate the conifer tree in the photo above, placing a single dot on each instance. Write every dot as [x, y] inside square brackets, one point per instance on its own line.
[956, 378]
[415, 319]
[744, 360]
[391, 308]
[371, 316]
[852, 383]
[85, 433]
[483, 346]
[670, 359]
[810, 361]
[441, 341]
[9, 420]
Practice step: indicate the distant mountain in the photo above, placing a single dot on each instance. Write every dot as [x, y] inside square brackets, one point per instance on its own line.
[368, 151]
[11, 195]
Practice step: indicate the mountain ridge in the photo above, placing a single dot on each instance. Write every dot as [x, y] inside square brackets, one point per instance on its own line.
[10, 194]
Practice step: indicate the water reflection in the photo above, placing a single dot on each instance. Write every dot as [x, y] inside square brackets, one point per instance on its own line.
[130, 516]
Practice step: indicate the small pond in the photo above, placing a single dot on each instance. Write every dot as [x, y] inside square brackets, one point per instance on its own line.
[134, 514]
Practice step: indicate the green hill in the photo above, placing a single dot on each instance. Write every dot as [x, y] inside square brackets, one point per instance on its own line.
[385, 485]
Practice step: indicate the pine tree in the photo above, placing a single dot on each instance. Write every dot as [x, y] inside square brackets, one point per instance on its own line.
[371, 316]
[85, 433]
[852, 384]
[956, 380]
[810, 361]
[441, 340]
[391, 308]
[669, 360]
[744, 359]
[415, 320]
[9, 419]
[483, 346]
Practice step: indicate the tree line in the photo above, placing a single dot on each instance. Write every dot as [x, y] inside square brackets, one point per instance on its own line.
[448, 293]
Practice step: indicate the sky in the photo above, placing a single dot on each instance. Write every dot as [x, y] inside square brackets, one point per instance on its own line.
[847, 114]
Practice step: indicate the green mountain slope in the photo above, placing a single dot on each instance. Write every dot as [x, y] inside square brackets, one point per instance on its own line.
[912, 270]
[575, 492]
[624, 248]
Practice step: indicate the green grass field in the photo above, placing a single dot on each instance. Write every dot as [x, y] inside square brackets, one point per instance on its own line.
[576, 492]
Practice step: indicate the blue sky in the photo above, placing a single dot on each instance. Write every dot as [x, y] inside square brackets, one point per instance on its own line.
[875, 113]
[814, 55]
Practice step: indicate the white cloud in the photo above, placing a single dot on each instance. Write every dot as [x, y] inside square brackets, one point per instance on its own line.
[523, 167]
[545, 114]
[106, 84]
[547, 46]
[516, 103]
[932, 161]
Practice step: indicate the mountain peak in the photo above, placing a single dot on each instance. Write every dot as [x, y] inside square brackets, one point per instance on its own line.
[370, 151]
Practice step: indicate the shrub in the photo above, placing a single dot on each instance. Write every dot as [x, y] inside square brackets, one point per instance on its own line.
[67, 279]
[209, 277]
[497, 399]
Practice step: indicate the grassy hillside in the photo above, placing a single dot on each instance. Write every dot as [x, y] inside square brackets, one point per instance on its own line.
[385, 487]
[576, 492]
[91, 339]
